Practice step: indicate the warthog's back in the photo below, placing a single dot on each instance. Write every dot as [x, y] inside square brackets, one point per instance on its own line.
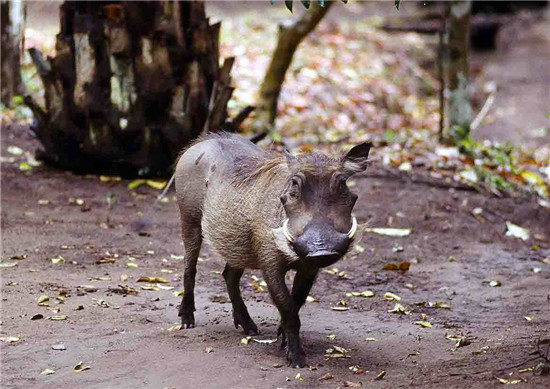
[210, 192]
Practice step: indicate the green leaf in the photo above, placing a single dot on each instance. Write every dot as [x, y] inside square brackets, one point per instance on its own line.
[397, 4]
[17, 100]
[306, 3]
[288, 4]
[134, 184]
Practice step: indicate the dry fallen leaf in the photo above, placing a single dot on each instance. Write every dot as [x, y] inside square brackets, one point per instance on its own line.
[396, 232]
[10, 339]
[165, 287]
[106, 260]
[57, 318]
[391, 296]
[341, 309]
[311, 299]
[398, 308]
[47, 372]
[336, 352]
[208, 350]
[42, 299]
[365, 293]
[246, 340]
[265, 341]
[370, 339]
[422, 323]
[380, 375]
[100, 278]
[149, 288]
[403, 266]
[350, 384]
[58, 259]
[174, 328]
[123, 277]
[152, 280]
[516, 231]
[81, 367]
[508, 381]
[326, 377]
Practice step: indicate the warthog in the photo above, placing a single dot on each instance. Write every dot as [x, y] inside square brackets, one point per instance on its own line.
[263, 212]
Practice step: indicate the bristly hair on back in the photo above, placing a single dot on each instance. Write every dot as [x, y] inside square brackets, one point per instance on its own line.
[250, 169]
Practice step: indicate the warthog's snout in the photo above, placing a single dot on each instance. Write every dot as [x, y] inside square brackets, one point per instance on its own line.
[321, 245]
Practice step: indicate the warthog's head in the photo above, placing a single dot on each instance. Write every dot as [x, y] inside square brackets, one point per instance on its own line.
[318, 204]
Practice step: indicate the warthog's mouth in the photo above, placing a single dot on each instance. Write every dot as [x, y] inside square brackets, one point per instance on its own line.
[323, 258]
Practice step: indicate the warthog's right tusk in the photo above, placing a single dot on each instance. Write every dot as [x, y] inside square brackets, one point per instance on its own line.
[353, 229]
[287, 234]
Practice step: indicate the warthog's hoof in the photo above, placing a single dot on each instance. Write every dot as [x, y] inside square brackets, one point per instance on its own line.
[187, 320]
[296, 360]
[248, 326]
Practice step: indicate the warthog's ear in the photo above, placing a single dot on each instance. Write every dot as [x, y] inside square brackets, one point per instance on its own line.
[355, 160]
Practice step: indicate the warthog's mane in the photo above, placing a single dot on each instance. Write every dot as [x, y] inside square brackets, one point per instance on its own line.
[250, 170]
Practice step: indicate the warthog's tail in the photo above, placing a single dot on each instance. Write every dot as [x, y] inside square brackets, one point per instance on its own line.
[166, 188]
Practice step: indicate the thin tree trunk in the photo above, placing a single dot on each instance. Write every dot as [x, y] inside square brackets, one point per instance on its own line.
[456, 73]
[289, 37]
[12, 34]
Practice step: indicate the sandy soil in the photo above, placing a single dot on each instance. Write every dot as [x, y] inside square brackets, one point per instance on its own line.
[124, 338]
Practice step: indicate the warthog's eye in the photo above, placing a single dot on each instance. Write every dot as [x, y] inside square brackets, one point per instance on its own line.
[342, 188]
[295, 187]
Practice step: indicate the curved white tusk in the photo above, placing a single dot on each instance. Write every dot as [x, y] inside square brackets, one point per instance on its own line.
[287, 234]
[353, 229]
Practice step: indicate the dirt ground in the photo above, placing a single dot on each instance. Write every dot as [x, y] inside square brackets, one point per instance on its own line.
[122, 336]
[124, 339]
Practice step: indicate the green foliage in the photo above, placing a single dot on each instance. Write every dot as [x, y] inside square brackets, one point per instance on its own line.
[458, 133]
[306, 3]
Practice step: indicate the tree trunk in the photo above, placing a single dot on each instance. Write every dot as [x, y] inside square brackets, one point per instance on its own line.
[12, 33]
[289, 37]
[130, 85]
[457, 106]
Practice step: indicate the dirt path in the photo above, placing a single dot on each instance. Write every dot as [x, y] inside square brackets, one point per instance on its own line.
[520, 69]
[123, 337]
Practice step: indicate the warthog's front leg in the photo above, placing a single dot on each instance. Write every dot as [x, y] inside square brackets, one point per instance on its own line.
[290, 321]
[240, 313]
[303, 281]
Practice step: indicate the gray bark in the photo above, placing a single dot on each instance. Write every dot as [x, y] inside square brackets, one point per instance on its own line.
[289, 37]
[456, 110]
[11, 35]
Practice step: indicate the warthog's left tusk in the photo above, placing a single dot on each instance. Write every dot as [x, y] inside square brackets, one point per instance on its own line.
[353, 229]
[287, 234]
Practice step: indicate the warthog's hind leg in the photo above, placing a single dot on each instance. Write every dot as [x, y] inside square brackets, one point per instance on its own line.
[240, 313]
[192, 241]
